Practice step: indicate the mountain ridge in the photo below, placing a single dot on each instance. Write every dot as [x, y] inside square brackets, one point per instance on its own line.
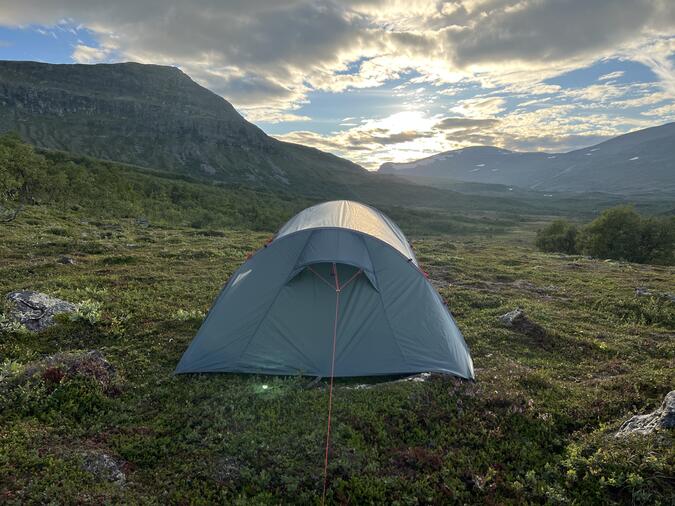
[152, 116]
[639, 161]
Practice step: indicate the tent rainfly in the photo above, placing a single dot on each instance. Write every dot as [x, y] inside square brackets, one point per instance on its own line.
[338, 290]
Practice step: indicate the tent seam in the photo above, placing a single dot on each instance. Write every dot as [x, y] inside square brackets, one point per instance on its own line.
[384, 307]
[270, 306]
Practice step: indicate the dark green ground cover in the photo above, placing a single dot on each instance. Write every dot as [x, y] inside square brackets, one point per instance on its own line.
[537, 426]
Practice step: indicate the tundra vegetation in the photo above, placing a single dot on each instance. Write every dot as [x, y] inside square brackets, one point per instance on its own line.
[91, 413]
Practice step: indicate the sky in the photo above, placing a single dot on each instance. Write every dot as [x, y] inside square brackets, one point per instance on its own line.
[388, 80]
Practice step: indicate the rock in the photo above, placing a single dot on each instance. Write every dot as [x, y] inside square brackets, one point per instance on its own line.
[641, 291]
[662, 418]
[91, 364]
[65, 366]
[142, 222]
[517, 320]
[228, 470]
[66, 260]
[418, 378]
[35, 310]
[104, 467]
[207, 169]
[422, 377]
[511, 318]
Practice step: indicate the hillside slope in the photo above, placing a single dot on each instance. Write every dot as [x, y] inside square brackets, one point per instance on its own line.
[640, 161]
[152, 116]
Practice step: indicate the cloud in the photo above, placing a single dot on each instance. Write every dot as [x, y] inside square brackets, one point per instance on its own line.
[463, 123]
[264, 115]
[611, 75]
[384, 137]
[488, 61]
[480, 107]
[88, 54]
[255, 51]
[546, 31]
[660, 61]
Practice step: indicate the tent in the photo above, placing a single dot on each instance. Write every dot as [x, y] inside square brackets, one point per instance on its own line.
[338, 290]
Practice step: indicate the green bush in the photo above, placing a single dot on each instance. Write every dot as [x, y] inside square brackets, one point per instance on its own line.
[622, 234]
[19, 167]
[559, 235]
[619, 233]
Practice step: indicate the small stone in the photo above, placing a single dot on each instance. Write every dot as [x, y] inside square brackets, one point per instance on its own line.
[228, 469]
[517, 320]
[104, 467]
[512, 317]
[662, 418]
[66, 260]
[35, 310]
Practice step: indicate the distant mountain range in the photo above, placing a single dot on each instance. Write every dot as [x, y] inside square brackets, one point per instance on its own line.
[640, 161]
[152, 116]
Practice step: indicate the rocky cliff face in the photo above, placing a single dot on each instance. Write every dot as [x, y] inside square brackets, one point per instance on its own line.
[151, 116]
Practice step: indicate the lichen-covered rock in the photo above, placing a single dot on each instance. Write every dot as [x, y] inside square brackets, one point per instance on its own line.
[662, 418]
[104, 467]
[512, 317]
[517, 320]
[35, 310]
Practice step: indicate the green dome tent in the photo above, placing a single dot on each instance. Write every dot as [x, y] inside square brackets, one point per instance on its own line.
[337, 290]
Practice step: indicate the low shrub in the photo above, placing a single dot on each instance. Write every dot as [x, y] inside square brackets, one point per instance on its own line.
[619, 233]
[559, 235]
[88, 311]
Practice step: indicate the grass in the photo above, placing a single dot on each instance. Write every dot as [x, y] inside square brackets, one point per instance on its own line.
[536, 427]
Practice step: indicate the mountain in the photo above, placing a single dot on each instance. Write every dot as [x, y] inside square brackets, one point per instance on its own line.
[153, 116]
[640, 161]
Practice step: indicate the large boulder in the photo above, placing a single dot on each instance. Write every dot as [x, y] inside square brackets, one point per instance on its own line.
[662, 418]
[35, 310]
